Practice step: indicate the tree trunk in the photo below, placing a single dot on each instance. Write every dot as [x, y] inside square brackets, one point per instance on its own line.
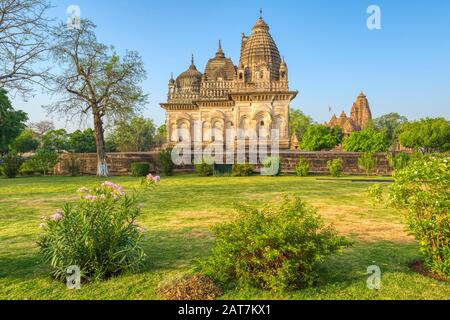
[102, 166]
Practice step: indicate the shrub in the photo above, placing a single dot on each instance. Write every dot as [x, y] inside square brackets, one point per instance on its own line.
[302, 167]
[423, 189]
[274, 248]
[10, 165]
[375, 193]
[191, 287]
[335, 167]
[204, 169]
[271, 166]
[165, 162]
[367, 162]
[98, 233]
[399, 161]
[242, 170]
[27, 169]
[44, 160]
[140, 169]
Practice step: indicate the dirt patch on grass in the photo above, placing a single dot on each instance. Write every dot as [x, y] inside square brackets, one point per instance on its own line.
[191, 287]
[420, 268]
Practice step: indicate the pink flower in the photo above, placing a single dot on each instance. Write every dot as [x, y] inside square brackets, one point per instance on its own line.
[152, 178]
[83, 190]
[57, 216]
[141, 206]
[141, 230]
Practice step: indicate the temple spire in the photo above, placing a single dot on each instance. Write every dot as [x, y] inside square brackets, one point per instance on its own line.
[260, 13]
[192, 60]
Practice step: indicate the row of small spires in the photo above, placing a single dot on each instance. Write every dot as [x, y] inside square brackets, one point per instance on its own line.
[219, 49]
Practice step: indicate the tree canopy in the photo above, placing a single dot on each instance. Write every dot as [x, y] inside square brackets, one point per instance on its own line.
[426, 135]
[23, 38]
[319, 137]
[299, 122]
[95, 82]
[368, 140]
[25, 142]
[136, 135]
[12, 122]
[390, 123]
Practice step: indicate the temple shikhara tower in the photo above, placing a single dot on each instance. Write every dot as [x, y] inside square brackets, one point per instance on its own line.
[360, 117]
[253, 95]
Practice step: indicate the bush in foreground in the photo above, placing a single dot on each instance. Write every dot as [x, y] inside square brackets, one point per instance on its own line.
[98, 233]
[423, 189]
[274, 248]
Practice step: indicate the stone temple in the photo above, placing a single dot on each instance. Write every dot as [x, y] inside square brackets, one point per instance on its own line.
[360, 117]
[253, 96]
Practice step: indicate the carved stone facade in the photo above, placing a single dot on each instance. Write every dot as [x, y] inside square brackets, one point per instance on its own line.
[360, 117]
[253, 96]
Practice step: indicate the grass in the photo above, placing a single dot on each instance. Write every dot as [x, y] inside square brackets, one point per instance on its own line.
[178, 217]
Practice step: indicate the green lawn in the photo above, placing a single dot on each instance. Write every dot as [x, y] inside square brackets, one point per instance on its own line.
[178, 216]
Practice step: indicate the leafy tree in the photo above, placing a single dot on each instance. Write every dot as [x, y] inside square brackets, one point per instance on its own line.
[390, 123]
[56, 140]
[12, 122]
[95, 81]
[337, 133]
[319, 137]
[299, 122]
[426, 135]
[25, 142]
[44, 160]
[82, 141]
[136, 135]
[161, 134]
[23, 39]
[368, 140]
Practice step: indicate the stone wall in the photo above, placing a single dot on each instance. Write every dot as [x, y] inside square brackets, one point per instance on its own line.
[318, 162]
[120, 163]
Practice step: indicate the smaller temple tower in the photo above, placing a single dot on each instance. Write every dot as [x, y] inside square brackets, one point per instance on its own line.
[360, 116]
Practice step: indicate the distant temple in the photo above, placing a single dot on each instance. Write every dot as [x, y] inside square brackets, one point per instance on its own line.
[252, 96]
[360, 117]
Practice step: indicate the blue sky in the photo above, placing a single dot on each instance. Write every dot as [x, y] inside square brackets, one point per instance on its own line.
[330, 52]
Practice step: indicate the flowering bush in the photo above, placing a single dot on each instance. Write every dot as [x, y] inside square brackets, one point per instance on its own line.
[423, 189]
[98, 233]
[274, 248]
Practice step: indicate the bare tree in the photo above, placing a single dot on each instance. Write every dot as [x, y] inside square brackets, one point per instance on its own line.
[41, 127]
[23, 42]
[95, 81]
